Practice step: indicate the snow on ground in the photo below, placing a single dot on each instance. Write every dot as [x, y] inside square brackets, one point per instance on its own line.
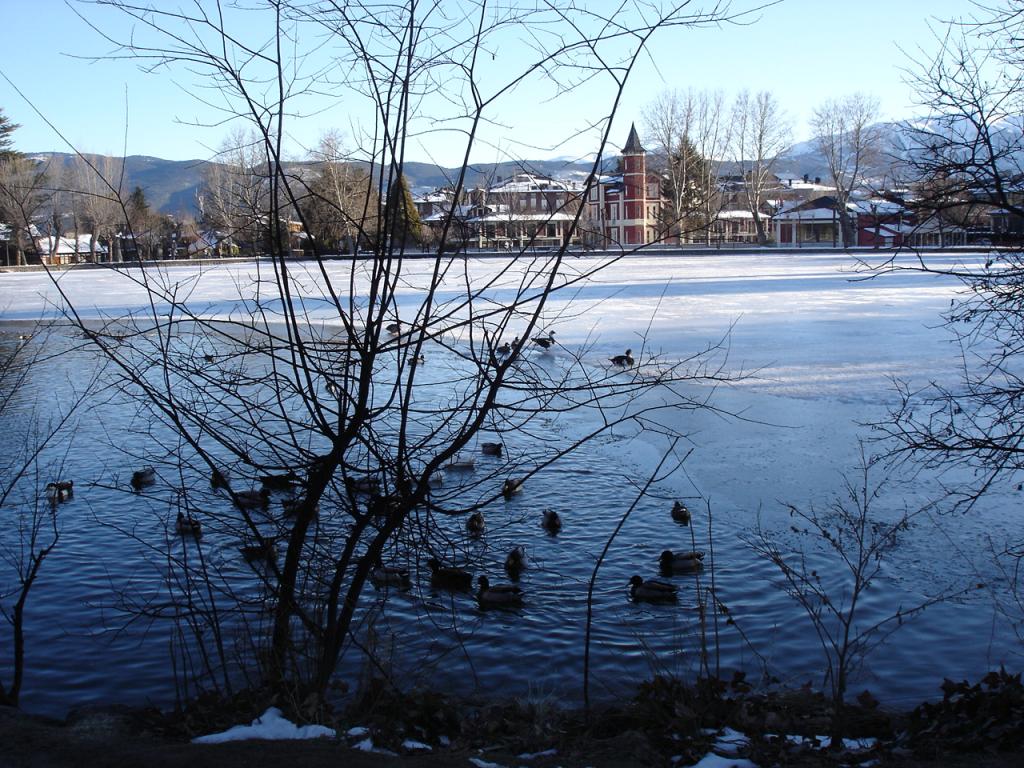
[270, 726]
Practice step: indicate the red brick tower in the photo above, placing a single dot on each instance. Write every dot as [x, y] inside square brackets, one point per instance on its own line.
[634, 196]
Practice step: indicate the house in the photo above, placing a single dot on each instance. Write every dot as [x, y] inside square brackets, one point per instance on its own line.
[521, 211]
[735, 225]
[809, 222]
[627, 209]
[69, 250]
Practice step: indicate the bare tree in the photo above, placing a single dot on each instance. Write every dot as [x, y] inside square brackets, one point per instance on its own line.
[23, 198]
[760, 133]
[846, 134]
[690, 138]
[321, 382]
[966, 157]
[339, 198]
[98, 182]
[836, 557]
[233, 202]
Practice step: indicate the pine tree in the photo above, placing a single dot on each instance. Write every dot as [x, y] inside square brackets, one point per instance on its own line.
[6, 142]
[401, 214]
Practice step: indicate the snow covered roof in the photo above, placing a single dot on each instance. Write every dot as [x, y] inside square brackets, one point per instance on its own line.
[735, 214]
[494, 218]
[68, 245]
[461, 212]
[437, 196]
[876, 206]
[528, 182]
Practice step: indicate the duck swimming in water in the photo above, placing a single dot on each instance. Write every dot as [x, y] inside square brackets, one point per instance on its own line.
[498, 595]
[680, 562]
[552, 522]
[448, 576]
[651, 591]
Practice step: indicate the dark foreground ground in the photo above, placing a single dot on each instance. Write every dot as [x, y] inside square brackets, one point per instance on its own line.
[120, 737]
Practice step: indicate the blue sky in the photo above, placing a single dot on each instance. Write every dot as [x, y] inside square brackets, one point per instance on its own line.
[804, 51]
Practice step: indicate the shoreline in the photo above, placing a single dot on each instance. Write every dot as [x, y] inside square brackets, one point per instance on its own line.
[663, 723]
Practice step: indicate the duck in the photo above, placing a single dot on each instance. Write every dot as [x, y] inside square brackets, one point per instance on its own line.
[389, 576]
[511, 487]
[263, 550]
[623, 361]
[383, 506]
[498, 595]
[60, 491]
[186, 525]
[280, 482]
[552, 522]
[491, 449]
[680, 513]
[475, 524]
[363, 484]
[505, 349]
[394, 327]
[291, 506]
[252, 499]
[143, 477]
[333, 389]
[545, 342]
[448, 576]
[515, 563]
[680, 562]
[218, 479]
[460, 463]
[651, 591]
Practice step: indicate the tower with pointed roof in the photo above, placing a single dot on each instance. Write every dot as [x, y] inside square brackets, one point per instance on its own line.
[626, 208]
[634, 183]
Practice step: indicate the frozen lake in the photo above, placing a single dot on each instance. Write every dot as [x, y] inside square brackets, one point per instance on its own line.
[813, 349]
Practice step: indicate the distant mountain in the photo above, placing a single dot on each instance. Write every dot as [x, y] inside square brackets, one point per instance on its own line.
[171, 186]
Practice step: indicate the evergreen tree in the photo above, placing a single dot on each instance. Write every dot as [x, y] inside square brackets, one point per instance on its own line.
[688, 184]
[402, 218]
[6, 142]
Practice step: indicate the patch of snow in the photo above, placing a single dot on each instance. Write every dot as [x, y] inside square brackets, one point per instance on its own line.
[531, 755]
[730, 742]
[367, 745]
[480, 763]
[357, 732]
[711, 760]
[416, 746]
[270, 726]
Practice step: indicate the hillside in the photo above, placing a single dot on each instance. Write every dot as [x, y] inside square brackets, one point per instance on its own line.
[171, 185]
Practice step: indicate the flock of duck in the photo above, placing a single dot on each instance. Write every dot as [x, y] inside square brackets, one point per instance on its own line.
[448, 577]
[488, 595]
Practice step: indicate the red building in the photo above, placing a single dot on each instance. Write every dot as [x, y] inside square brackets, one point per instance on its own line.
[625, 209]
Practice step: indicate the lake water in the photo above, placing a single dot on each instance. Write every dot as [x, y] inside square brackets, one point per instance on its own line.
[817, 351]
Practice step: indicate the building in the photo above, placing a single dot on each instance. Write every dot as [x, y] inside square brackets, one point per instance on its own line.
[522, 211]
[69, 249]
[627, 209]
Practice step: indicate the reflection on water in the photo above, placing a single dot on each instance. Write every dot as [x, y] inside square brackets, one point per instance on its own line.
[82, 646]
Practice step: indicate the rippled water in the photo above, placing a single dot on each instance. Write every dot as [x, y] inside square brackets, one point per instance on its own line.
[82, 648]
